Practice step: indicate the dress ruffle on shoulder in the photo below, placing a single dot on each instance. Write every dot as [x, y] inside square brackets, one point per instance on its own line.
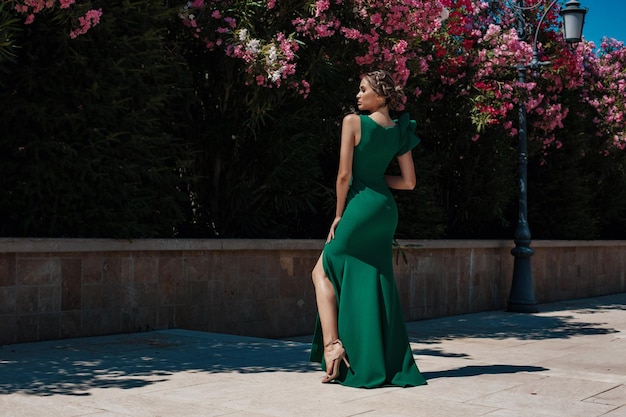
[408, 138]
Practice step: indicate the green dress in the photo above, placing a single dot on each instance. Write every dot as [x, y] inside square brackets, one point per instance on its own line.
[359, 263]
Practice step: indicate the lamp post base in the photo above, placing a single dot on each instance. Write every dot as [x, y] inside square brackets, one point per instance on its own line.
[522, 297]
[514, 306]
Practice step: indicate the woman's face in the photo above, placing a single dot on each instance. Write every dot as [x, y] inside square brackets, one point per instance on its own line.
[367, 99]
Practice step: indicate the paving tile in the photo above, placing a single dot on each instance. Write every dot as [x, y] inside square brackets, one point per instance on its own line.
[144, 406]
[514, 413]
[454, 389]
[618, 412]
[614, 396]
[535, 404]
[18, 405]
[563, 388]
[407, 406]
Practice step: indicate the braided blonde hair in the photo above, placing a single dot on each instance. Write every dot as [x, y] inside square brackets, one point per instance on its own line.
[384, 85]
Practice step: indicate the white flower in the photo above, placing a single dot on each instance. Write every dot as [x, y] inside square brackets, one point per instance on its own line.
[243, 34]
[253, 46]
[275, 76]
[445, 14]
[272, 56]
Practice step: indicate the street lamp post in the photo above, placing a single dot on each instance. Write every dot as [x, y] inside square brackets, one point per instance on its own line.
[522, 296]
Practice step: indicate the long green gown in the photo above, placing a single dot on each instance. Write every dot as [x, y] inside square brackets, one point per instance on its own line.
[359, 263]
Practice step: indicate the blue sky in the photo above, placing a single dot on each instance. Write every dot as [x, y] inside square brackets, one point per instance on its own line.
[604, 18]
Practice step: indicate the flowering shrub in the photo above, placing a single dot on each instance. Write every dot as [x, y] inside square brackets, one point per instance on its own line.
[269, 55]
[468, 47]
[387, 34]
[605, 90]
[384, 34]
[481, 52]
[82, 22]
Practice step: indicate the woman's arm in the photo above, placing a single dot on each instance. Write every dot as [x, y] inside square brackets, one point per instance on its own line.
[350, 131]
[406, 180]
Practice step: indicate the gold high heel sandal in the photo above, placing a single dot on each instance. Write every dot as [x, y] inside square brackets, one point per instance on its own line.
[338, 355]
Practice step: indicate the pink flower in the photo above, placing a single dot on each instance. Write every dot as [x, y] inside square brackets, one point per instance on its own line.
[306, 88]
[321, 6]
[66, 3]
[91, 19]
[376, 19]
[400, 47]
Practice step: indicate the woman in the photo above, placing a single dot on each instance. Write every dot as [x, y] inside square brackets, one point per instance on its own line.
[360, 336]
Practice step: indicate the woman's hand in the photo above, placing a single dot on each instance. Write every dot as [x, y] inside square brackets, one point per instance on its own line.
[331, 234]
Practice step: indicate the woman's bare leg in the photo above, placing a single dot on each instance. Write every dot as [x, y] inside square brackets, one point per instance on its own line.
[326, 303]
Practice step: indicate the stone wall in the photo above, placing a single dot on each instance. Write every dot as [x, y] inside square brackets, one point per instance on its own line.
[62, 288]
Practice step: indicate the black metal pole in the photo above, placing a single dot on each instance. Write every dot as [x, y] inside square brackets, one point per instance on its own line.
[522, 297]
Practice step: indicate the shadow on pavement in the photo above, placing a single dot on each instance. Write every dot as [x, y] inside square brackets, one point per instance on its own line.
[501, 325]
[481, 370]
[73, 367]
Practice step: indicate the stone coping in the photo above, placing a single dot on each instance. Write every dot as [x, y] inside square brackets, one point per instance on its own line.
[53, 245]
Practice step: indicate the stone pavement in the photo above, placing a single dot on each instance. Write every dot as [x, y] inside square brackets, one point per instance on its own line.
[569, 360]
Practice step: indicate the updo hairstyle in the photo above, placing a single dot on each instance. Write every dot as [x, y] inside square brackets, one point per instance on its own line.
[384, 85]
